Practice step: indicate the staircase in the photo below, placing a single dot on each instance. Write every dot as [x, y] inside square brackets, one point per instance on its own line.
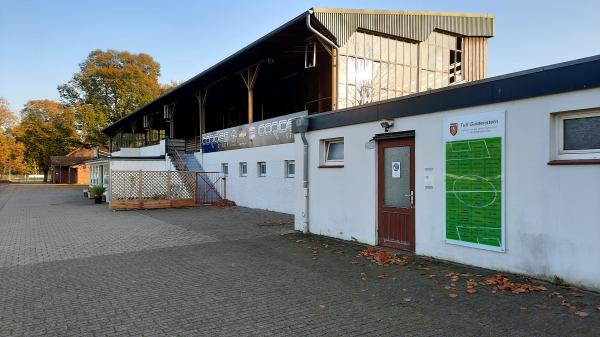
[205, 189]
[191, 163]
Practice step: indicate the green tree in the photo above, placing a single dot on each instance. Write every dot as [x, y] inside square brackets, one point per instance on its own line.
[12, 152]
[109, 85]
[47, 128]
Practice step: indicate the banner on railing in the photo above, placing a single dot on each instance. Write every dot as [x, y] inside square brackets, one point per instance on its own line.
[268, 132]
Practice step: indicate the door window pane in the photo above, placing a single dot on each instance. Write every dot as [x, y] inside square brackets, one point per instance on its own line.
[396, 176]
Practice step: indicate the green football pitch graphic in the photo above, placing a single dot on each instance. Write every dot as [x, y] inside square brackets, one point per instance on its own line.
[474, 191]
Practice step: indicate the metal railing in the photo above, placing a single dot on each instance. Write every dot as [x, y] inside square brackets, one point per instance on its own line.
[193, 144]
[174, 148]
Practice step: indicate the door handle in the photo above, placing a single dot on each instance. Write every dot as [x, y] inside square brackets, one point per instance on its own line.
[412, 198]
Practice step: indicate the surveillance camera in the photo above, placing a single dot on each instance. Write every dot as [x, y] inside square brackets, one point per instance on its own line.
[386, 124]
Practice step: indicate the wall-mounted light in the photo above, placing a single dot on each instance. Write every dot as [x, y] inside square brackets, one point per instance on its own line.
[386, 124]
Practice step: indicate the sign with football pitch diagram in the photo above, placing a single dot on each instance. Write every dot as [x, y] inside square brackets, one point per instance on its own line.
[474, 180]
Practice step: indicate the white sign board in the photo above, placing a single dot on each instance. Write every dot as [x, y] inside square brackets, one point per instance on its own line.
[395, 169]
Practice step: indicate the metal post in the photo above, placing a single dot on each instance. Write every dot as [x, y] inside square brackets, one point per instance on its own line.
[196, 191]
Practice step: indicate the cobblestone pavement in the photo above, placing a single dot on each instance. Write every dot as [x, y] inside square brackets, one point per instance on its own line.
[70, 268]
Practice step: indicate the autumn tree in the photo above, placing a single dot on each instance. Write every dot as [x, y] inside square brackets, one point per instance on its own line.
[47, 128]
[7, 117]
[109, 85]
[11, 151]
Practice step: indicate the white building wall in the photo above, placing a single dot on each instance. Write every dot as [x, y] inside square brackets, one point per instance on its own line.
[146, 151]
[274, 192]
[552, 212]
[137, 164]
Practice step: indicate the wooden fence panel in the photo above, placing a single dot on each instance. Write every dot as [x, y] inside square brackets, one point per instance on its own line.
[152, 189]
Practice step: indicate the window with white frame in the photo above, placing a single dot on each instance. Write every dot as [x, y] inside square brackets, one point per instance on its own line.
[225, 169]
[290, 168]
[94, 175]
[261, 169]
[577, 135]
[332, 152]
[243, 169]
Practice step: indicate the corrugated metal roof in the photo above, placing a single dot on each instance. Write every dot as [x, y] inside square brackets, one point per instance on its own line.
[411, 25]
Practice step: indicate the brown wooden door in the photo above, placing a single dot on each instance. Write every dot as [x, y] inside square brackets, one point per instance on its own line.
[396, 194]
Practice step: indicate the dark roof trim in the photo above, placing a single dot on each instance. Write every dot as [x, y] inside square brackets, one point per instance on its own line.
[115, 126]
[394, 135]
[554, 79]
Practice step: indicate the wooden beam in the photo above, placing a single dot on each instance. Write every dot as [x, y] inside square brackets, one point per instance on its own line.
[249, 76]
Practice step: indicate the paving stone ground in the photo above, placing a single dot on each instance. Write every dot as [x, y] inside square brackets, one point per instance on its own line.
[71, 268]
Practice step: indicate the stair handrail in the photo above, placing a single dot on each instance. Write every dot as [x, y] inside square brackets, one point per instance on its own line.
[179, 162]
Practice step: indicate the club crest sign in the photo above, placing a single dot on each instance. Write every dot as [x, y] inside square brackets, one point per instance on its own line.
[453, 128]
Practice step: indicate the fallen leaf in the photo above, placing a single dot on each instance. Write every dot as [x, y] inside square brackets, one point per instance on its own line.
[582, 313]
[471, 291]
[322, 306]
[453, 295]
[407, 299]
[382, 276]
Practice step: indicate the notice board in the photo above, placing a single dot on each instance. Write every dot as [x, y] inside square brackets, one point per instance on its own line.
[474, 180]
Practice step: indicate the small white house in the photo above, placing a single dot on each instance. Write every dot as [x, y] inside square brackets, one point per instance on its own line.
[501, 173]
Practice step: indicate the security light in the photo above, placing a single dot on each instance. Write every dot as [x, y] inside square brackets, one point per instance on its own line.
[386, 124]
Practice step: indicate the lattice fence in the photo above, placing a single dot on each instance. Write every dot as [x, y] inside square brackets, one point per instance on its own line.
[152, 189]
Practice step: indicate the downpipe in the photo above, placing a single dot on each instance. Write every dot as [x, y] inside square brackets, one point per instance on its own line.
[305, 223]
[316, 32]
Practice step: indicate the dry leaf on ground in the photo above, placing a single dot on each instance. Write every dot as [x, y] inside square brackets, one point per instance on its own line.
[504, 283]
[582, 313]
[407, 299]
[382, 257]
[453, 295]
[471, 291]
[321, 306]
[224, 203]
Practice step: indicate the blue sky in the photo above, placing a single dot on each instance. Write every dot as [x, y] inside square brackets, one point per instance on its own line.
[43, 42]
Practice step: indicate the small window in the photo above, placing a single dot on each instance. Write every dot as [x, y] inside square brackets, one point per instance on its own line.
[332, 152]
[290, 168]
[243, 169]
[261, 169]
[578, 135]
[225, 169]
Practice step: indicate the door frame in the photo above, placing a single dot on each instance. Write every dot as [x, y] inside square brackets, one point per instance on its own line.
[395, 139]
